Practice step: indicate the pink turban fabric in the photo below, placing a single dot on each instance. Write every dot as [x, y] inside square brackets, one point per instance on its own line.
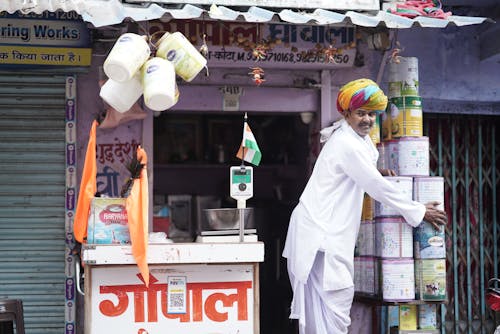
[361, 93]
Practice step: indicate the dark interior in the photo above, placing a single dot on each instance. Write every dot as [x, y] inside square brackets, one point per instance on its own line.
[192, 155]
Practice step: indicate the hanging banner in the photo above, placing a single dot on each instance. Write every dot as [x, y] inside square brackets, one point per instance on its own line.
[55, 39]
[232, 44]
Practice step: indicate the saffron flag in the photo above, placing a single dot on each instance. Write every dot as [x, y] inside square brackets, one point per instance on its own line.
[88, 188]
[137, 211]
[249, 147]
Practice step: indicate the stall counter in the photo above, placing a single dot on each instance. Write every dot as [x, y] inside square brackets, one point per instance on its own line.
[205, 288]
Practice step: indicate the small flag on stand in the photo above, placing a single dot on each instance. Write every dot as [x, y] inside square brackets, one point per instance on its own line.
[249, 150]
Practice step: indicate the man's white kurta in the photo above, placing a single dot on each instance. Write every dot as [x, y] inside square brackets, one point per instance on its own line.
[328, 215]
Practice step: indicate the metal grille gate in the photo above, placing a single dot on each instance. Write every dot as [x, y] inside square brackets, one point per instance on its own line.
[465, 153]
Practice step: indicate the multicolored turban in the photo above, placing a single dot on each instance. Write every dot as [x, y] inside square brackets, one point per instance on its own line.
[361, 93]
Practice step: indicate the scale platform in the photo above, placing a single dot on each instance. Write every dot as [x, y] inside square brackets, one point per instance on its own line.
[227, 236]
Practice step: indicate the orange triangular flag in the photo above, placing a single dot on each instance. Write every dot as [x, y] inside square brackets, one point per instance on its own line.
[88, 188]
[137, 212]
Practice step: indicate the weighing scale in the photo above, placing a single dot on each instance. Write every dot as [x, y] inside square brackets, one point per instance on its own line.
[241, 189]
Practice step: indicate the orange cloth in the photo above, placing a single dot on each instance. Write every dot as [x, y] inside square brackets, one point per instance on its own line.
[88, 188]
[137, 212]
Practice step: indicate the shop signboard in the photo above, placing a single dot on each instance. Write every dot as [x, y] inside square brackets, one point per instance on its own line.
[181, 299]
[281, 45]
[50, 38]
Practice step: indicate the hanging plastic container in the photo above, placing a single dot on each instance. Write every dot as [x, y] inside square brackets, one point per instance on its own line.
[122, 95]
[126, 57]
[158, 78]
[175, 47]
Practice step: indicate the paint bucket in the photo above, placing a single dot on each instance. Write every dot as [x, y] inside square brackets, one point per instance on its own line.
[403, 77]
[386, 120]
[126, 57]
[413, 156]
[375, 131]
[393, 154]
[175, 47]
[429, 243]
[430, 279]
[429, 188]
[398, 279]
[408, 317]
[393, 238]
[405, 186]
[158, 78]
[383, 159]
[427, 318]
[121, 95]
[367, 210]
[366, 275]
[406, 116]
[365, 243]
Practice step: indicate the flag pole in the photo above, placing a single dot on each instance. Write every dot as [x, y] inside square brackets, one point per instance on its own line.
[245, 118]
[242, 203]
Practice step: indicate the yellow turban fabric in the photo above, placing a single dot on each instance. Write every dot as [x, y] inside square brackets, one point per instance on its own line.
[361, 93]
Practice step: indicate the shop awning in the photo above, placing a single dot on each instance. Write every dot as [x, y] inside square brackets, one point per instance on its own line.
[110, 12]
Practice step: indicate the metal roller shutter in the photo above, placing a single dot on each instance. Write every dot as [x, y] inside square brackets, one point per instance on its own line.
[32, 195]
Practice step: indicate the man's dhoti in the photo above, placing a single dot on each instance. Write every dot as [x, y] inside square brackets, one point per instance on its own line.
[320, 311]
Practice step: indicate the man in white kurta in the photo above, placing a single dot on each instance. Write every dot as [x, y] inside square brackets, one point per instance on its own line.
[324, 226]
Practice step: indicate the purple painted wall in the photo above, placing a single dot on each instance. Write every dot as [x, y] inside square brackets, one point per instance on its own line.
[449, 65]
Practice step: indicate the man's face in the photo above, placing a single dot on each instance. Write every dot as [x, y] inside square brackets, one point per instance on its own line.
[361, 121]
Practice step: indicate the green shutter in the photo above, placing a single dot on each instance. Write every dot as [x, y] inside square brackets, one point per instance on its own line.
[32, 195]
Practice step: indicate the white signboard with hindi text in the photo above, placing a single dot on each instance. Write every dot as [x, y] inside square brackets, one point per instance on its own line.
[208, 299]
[291, 46]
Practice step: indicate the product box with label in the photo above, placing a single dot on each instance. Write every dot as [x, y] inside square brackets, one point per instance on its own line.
[108, 221]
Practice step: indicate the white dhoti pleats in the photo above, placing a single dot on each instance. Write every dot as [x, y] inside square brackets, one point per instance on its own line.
[320, 311]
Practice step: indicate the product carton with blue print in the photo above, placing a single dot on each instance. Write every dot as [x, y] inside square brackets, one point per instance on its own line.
[108, 221]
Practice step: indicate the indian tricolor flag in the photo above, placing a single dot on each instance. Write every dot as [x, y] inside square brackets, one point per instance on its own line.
[249, 147]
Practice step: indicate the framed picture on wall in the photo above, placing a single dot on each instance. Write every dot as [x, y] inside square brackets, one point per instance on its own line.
[224, 138]
[179, 140]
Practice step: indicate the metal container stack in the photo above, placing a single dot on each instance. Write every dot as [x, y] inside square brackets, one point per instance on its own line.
[410, 262]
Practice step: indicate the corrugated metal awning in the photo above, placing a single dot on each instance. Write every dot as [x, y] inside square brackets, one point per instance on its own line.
[104, 12]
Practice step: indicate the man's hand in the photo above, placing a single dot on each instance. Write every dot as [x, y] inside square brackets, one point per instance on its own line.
[387, 172]
[434, 216]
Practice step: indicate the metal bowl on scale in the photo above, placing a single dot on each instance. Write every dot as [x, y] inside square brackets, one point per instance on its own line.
[229, 218]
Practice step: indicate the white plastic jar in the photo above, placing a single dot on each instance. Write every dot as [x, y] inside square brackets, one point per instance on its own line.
[126, 57]
[158, 79]
[175, 47]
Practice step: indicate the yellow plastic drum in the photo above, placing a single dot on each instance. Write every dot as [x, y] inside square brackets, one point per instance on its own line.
[188, 62]
[375, 131]
[406, 116]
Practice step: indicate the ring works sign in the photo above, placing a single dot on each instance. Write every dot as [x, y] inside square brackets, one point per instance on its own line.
[50, 38]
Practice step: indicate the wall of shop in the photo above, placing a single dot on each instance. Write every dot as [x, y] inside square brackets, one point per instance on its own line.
[452, 80]
[450, 69]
